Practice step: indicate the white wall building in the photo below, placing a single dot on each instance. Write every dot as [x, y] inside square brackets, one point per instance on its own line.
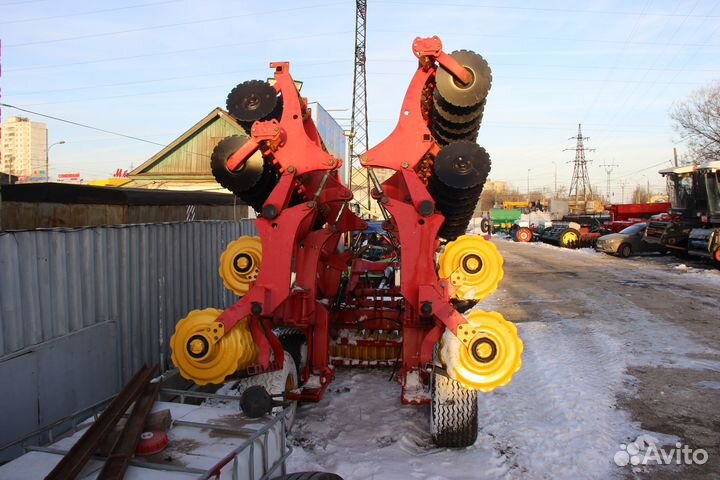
[23, 149]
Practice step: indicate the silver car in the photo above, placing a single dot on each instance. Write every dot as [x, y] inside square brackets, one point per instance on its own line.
[628, 242]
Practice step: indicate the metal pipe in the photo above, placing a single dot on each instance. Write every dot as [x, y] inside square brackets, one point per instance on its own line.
[135, 463]
[321, 187]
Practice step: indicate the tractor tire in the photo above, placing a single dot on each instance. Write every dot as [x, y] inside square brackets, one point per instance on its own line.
[565, 237]
[485, 226]
[453, 413]
[523, 235]
[310, 476]
[277, 382]
[294, 342]
[625, 250]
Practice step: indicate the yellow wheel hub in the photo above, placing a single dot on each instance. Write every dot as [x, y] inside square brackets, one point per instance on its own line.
[569, 237]
[490, 352]
[240, 264]
[203, 354]
[473, 265]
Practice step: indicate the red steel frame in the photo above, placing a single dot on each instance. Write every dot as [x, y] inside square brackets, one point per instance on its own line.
[302, 267]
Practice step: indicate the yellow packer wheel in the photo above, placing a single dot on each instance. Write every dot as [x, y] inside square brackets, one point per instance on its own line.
[240, 264]
[472, 264]
[569, 238]
[490, 352]
[200, 357]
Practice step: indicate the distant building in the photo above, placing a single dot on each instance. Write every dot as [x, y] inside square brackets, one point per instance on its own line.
[495, 186]
[24, 148]
[185, 163]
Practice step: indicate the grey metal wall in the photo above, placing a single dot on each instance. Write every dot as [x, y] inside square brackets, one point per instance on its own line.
[135, 280]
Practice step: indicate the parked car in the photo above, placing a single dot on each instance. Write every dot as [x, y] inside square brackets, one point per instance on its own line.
[627, 242]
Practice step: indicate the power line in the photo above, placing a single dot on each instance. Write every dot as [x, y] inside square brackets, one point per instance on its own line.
[170, 25]
[20, 3]
[89, 12]
[77, 124]
[173, 52]
[540, 9]
[623, 49]
[164, 79]
[563, 40]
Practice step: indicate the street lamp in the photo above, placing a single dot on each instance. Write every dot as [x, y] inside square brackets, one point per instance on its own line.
[47, 159]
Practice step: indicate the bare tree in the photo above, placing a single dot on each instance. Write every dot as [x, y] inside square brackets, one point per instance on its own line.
[697, 120]
[640, 195]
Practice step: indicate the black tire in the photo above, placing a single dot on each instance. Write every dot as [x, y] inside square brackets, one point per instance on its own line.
[625, 250]
[293, 340]
[485, 226]
[310, 476]
[453, 413]
[276, 382]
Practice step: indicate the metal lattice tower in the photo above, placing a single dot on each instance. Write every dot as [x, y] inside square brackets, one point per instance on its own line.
[580, 189]
[608, 170]
[359, 176]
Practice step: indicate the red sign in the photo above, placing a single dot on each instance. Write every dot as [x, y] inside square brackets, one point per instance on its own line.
[69, 176]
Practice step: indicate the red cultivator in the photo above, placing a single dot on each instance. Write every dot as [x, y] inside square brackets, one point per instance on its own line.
[310, 294]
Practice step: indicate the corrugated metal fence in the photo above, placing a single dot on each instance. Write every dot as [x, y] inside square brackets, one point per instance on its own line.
[144, 277]
[72, 300]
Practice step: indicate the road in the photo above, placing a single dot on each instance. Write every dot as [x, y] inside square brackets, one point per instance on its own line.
[614, 349]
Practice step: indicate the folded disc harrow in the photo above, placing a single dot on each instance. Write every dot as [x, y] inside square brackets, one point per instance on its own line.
[346, 295]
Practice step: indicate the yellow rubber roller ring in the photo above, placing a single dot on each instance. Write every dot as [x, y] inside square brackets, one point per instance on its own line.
[473, 265]
[240, 264]
[490, 352]
[203, 354]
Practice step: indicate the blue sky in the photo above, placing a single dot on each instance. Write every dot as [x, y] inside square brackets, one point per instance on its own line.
[152, 68]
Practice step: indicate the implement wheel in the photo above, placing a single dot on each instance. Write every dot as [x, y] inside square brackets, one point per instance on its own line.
[240, 264]
[197, 355]
[453, 412]
[569, 238]
[523, 235]
[473, 265]
[279, 382]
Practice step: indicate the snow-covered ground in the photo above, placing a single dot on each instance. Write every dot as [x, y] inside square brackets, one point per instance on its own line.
[588, 320]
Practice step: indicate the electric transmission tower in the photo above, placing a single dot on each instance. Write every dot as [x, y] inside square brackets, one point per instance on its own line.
[580, 188]
[359, 176]
[608, 170]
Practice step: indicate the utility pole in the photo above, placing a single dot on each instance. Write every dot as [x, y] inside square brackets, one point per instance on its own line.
[580, 184]
[622, 186]
[359, 176]
[608, 170]
[675, 156]
[528, 186]
[555, 165]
